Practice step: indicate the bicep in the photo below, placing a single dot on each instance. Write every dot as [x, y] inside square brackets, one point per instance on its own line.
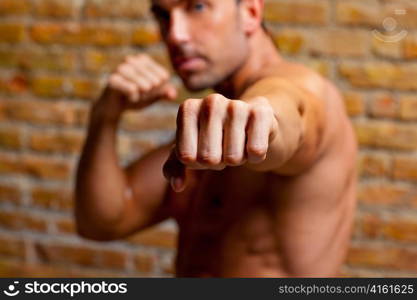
[146, 197]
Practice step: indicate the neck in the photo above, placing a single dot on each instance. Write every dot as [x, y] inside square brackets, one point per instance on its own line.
[262, 56]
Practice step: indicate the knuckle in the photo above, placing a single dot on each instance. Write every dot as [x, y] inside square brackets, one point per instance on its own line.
[214, 99]
[233, 159]
[155, 81]
[261, 113]
[257, 150]
[209, 159]
[145, 88]
[262, 110]
[186, 157]
[236, 108]
[113, 79]
[131, 89]
[130, 59]
[189, 106]
[123, 68]
[164, 75]
[144, 58]
[213, 103]
[146, 84]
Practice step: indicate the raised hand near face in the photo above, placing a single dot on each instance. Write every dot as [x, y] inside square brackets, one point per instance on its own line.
[136, 83]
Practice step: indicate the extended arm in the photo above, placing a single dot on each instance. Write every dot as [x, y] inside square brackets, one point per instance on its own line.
[300, 116]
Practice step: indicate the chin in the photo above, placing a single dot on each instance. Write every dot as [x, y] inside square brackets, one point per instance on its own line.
[195, 84]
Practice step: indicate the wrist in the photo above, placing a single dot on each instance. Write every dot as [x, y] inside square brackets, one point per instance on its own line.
[99, 113]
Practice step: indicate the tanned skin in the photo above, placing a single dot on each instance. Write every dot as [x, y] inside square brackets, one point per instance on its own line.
[261, 176]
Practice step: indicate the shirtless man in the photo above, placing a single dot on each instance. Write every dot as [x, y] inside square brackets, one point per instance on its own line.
[260, 177]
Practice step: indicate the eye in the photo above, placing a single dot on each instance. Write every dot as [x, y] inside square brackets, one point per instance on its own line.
[199, 6]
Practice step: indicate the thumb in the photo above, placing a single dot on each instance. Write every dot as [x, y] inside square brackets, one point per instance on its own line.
[175, 172]
[170, 92]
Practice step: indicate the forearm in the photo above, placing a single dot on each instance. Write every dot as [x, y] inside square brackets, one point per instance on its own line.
[299, 118]
[101, 182]
[286, 141]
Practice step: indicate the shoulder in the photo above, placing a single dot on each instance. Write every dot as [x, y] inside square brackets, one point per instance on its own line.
[297, 75]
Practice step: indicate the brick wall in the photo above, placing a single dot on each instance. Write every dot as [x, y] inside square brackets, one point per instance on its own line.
[54, 55]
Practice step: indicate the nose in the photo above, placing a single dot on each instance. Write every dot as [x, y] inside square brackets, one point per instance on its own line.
[178, 32]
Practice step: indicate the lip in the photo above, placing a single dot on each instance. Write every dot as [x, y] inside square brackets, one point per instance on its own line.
[188, 64]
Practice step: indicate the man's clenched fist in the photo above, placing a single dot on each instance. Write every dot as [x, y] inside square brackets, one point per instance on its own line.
[216, 132]
[136, 83]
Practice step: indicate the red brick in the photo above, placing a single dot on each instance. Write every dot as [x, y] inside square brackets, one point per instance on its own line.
[296, 11]
[410, 47]
[146, 35]
[80, 255]
[372, 164]
[46, 59]
[10, 164]
[40, 112]
[156, 238]
[12, 33]
[8, 58]
[355, 103]
[10, 246]
[19, 221]
[10, 138]
[86, 88]
[113, 259]
[289, 41]
[380, 75]
[404, 230]
[13, 7]
[65, 226]
[124, 9]
[14, 84]
[52, 199]
[371, 226]
[77, 34]
[383, 257]
[337, 42]
[387, 135]
[46, 168]
[408, 108]
[9, 193]
[66, 254]
[384, 106]
[358, 12]
[405, 168]
[393, 228]
[82, 115]
[99, 61]
[47, 86]
[62, 142]
[144, 262]
[56, 8]
[383, 194]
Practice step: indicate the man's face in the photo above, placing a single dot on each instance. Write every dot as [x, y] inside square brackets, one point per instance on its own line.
[205, 39]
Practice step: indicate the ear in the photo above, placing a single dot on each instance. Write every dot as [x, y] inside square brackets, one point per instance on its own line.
[252, 14]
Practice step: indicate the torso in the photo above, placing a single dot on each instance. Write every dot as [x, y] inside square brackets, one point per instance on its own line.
[242, 223]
